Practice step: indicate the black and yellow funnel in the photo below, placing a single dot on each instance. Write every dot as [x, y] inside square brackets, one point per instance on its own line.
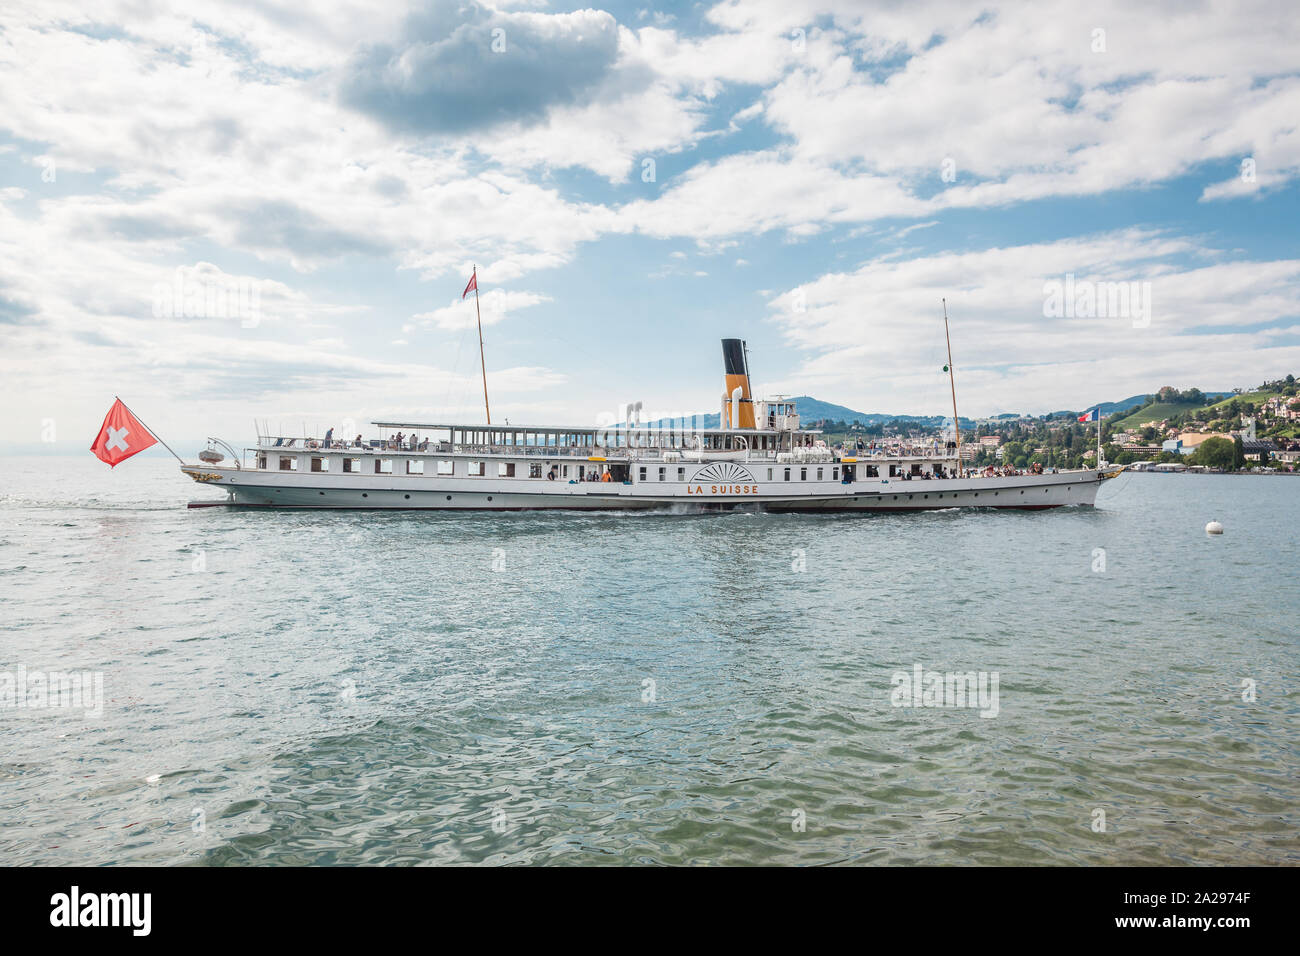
[737, 401]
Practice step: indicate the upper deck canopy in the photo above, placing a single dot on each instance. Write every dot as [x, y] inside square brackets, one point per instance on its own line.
[673, 426]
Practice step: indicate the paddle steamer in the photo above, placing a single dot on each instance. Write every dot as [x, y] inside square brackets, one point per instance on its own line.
[760, 459]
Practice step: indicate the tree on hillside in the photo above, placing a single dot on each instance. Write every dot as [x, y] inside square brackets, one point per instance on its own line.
[1214, 453]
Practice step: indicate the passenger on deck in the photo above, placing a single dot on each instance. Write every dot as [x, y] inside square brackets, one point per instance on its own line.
[606, 476]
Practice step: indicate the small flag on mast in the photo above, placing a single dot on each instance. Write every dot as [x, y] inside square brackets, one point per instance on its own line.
[121, 436]
[473, 285]
[1091, 416]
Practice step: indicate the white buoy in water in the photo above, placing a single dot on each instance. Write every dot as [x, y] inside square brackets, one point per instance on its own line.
[1214, 528]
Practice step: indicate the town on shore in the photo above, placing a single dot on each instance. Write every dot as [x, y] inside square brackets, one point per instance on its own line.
[1255, 430]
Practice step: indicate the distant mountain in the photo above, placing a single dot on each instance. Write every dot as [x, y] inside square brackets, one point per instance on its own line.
[1110, 408]
[813, 410]
[1133, 401]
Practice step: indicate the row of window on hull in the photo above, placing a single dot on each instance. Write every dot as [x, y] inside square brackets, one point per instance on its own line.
[445, 467]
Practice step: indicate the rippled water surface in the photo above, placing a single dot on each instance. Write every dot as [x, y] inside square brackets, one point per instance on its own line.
[529, 688]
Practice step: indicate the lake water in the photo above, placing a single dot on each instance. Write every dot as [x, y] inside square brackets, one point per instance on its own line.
[355, 688]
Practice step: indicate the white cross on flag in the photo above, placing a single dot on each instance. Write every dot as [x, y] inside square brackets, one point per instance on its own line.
[121, 436]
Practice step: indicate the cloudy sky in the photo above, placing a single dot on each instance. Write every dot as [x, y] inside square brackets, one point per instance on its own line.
[634, 183]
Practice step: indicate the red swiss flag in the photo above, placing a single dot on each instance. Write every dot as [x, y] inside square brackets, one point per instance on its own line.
[473, 285]
[121, 436]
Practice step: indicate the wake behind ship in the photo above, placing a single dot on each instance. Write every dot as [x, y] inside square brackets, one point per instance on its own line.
[760, 459]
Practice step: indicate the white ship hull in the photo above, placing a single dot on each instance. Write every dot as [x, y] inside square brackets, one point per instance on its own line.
[249, 488]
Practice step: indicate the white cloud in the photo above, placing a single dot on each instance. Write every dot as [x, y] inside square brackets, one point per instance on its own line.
[874, 336]
[496, 306]
[1020, 106]
[760, 191]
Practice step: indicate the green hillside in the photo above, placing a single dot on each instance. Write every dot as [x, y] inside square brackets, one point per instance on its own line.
[1251, 398]
[1154, 413]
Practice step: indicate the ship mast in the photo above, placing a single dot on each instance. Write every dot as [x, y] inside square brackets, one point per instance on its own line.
[481, 360]
[952, 381]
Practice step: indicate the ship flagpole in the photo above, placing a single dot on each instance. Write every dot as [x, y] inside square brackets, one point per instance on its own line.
[956, 422]
[151, 431]
[481, 360]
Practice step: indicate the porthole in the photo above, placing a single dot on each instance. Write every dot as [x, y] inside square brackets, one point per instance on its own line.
[320, 492]
[365, 494]
[449, 497]
[1022, 491]
[406, 496]
[489, 497]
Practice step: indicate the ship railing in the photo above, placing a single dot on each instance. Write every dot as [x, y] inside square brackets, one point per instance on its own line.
[298, 443]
